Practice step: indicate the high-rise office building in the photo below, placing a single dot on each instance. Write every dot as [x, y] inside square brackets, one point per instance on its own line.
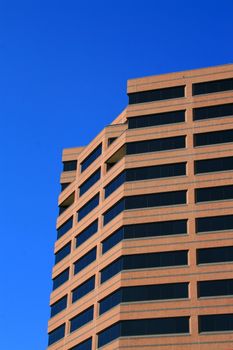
[144, 253]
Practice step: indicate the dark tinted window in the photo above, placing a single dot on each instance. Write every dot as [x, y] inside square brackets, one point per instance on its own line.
[150, 260]
[145, 173]
[214, 223]
[89, 182]
[214, 255]
[215, 288]
[83, 289]
[156, 119]
[151, 326]
[213, 112]
[65, 227]
[144, 293]
[212, 86]
[85, 345]
[112, 240]
[59, 306]
[64, 185]
[211, 138]
[70, 165]
[110, 301]
[156, 95]
[56, 334]
[86, 260]
[87, 233]
[156, 326]
[157, 171]
[162, 228]
[60, 279]
[214, 193]
[109, 334]
[145, 201]
[115, 210]
[88, 207]
[215, 323]
[155, 199]
[114, 184]
[63, 252]
[112, 269]
[91, 158]
[140, 261]
[81, 319]
[156, 145]
[215, 164]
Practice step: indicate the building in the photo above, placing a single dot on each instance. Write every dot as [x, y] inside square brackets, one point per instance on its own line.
[144, 253]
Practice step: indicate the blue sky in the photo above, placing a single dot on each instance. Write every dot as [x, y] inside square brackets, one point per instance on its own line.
[62, 63]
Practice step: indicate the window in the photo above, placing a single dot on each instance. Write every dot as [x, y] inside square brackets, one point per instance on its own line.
[115, 210]
[88, 207]
[141, 261]
[214, 223]
[215, 323]
[59, 306]
[156, 95]
[112, 240]
[214, 193]
[145, 173]
[153, 229]
[81, 319]
[64, 227]
[86, 345]
[156, 119]
[145, 201]
[87, 233]
[212, 165]
[215, 255]
[144, 293]
[212, 138]
[83, 289]
[64, 185]
[208, 87]
[110, 301]
[85, 260]
[150, 326]
[114, 184]
[155, 199]
[218, 111]
[91, 158]
[164, 144]
[109, 334]
[156, 171]
[215, 288]
[57, 334]
[60, 279]
[111, 270]
[89, 182]
[70, 165]
[63, 252]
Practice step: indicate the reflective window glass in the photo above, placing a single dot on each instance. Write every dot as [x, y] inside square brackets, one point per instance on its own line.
[208, 87]
[156, 95]
[85, 260]
[156, 119]
[88, 207]
[91, 158]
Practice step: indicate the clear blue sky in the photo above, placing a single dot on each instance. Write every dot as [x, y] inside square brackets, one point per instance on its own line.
[62, 63]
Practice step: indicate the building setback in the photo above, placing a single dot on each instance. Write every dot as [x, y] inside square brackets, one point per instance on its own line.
[143, 257]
